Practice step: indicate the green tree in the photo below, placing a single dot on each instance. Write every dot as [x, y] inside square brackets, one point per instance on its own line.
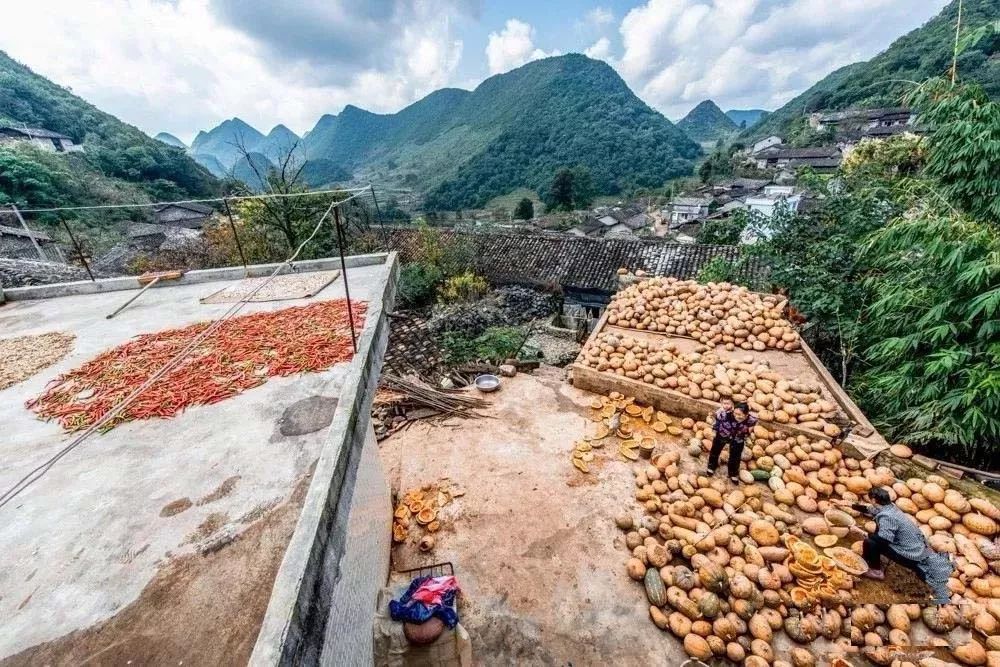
[718, 270]
[933, 373]
[29, 176]
[964, 148]
[724, 231]
[293, 218]
[902, 291]
[705, 171]
[583, 188]
[560, 194]
[524, 210]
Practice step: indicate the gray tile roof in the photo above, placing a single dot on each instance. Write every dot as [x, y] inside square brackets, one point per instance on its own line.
[197, 208]
[17, 231]
[34, 132]
[798, 153]
[575, 262]
[690, 201]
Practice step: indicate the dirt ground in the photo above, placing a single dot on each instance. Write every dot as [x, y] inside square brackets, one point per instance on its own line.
[533, 542]
[226, 591]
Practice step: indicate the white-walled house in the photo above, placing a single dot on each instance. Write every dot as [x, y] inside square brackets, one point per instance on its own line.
[683, 209]
[44, 139]
[764, 144]
[762, 208]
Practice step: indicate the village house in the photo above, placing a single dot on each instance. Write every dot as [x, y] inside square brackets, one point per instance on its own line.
[862, 119]
[44, 139]
[766, 143]
[682, 209]
[19, 243]
[612, 222]
[821, 159]
[190, 215]
[763, 208]
[628, 225]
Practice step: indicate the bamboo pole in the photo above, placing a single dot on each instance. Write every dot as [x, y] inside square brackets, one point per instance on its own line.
[31, 234]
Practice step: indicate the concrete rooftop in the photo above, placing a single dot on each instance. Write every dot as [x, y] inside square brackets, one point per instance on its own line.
[100, 535]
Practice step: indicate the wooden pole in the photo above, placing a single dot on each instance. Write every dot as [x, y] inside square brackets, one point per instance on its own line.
[954, 58]
[378, 212]
[79, 250]
[31, 235]
[341, 244]
[232, 226]
[136, 296]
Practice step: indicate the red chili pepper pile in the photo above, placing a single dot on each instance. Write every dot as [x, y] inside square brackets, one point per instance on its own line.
[241, 354]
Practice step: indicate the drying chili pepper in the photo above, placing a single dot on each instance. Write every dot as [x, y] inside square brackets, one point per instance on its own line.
[239, 355]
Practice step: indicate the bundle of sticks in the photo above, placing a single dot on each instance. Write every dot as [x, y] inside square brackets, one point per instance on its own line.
[445, 403]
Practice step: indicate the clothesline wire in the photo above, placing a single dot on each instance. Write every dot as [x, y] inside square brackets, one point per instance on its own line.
[38, 472]
[288, 195]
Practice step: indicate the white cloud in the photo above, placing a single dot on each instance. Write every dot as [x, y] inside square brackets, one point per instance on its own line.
[600, 16]
[748, 53]
[182, 65]
[512, 47]
[185, 65]
[600, 49]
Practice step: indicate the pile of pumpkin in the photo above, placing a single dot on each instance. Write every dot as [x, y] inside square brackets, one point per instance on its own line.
[422, 506]
[724, 568]
[704, 374]
[714, 314]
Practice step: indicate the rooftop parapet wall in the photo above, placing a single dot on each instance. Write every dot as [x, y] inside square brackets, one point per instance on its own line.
[294, 626]
[189, 278]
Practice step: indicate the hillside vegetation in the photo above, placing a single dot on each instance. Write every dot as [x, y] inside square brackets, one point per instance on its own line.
[514, 130]
[707, 123]
[120, 160]
[888, 77]
[897, 268]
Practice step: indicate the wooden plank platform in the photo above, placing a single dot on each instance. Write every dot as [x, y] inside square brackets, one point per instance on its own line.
[865, 436]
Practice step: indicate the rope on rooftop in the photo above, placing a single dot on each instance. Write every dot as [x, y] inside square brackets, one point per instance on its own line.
[353, 191]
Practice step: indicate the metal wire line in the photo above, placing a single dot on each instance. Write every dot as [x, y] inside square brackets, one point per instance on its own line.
[287, 195]
[38, 472]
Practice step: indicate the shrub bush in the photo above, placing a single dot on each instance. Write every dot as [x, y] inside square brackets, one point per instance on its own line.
[463, 287]
[494, 345]
[418, 282]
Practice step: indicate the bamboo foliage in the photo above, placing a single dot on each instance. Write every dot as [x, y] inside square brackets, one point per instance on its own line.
[933, 372]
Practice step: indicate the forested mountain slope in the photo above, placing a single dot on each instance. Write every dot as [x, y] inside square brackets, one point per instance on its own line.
[119, 161]
[514, 130]
[886, 78]
[707, 122]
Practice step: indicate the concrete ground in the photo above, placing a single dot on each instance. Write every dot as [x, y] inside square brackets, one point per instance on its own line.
[533, 540]
[121, 521]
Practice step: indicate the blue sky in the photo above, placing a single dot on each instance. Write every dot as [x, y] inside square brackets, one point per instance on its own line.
[185, 65]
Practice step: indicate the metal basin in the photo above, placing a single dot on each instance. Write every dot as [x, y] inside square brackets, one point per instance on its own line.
[487, 383]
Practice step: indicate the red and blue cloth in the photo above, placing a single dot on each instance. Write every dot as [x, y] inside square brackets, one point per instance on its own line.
[427, 597]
